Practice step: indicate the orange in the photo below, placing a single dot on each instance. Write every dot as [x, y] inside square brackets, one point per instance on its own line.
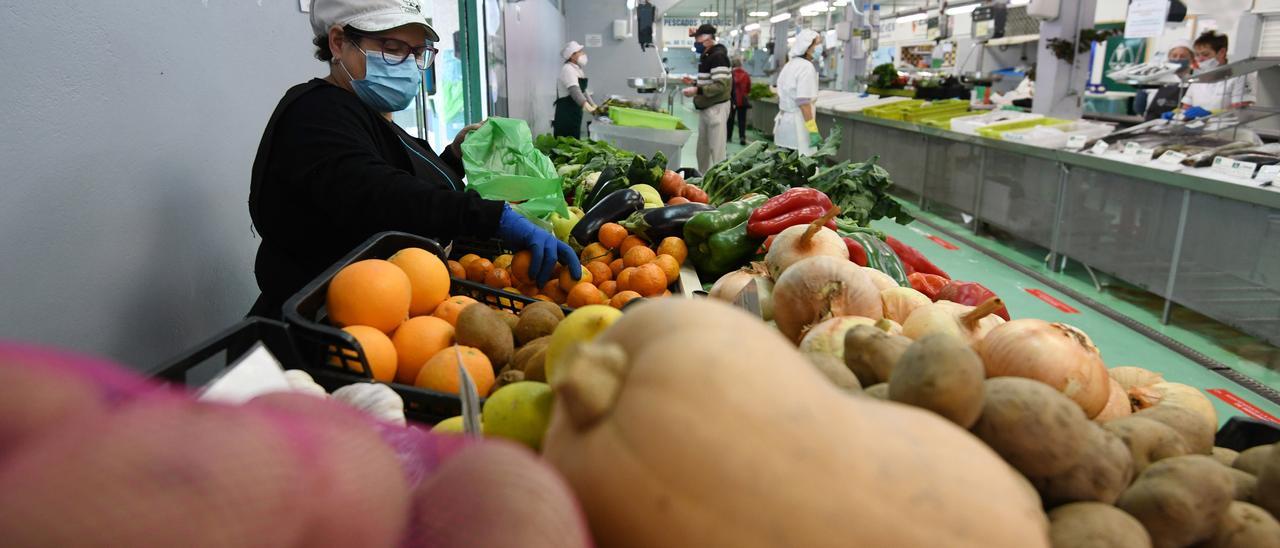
[466, 259]
[440, 373]
[648, 280]
[599, 272]
[609, 288]
[503, 261]
[638, 255]
[595, 252]
[528, 289]
[451, 307]
[498, 277]
[478, 269]
[372, 292]
[674, 247]
[542, 297]
[520, 266]
[611, 235]
[630, 242]
[567, 282]
[456, 270]
[624, 278]
[622, 298]
[583, 294]
[552, 290]
[416, 341]
[669, 267]
[428, 277]
[616, 266]
[378, 351]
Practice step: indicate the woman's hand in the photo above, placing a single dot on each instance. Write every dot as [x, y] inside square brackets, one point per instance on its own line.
[517, 232]
[456, 145]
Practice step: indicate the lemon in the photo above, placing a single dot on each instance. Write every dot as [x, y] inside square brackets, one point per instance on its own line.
[581, 325]
[519, 411]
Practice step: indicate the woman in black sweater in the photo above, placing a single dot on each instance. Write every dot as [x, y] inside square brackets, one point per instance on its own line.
[333, 169]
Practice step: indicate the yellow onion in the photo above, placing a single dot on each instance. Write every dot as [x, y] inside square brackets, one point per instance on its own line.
[900, 302]
[730, 285]
[1118, 404]
[822, 287]
[969, 323]
[801, 242]
[1056, 354]
[883, 281]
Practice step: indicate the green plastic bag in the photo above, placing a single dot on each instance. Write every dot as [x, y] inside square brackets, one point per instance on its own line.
[502, 164]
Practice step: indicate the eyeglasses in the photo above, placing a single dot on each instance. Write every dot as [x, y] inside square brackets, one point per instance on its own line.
[396, 51]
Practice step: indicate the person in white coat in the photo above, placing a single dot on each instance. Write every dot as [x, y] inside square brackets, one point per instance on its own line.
[796, 126]
[572, 97]
[1232, 93]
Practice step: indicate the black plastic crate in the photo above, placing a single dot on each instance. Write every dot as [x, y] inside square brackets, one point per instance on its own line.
[334, 357]
[200, 366]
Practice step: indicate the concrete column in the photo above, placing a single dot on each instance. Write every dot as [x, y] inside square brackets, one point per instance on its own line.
[1060, 85]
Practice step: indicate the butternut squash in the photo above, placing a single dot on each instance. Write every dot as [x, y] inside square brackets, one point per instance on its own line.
[690, 423]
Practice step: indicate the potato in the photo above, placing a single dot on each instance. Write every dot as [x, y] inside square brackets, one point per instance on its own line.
[1225, 456]
[1180, 500]
[943, 374]
[1251, 460]
[878, 391]
[1102, 474]
[1148, 441]
[1020, 415]
[1245, 484]
[871, 353]
[1095, 525]
[1267, 494]
[1245, 526]
[834, 370]
[1197, 430]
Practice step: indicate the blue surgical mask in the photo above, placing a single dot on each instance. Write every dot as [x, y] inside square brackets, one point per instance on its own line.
[386, 87]
[817, 52]
[698, 48]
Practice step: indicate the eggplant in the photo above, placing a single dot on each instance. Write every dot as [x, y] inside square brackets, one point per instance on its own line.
[657, 223]
[614, 207]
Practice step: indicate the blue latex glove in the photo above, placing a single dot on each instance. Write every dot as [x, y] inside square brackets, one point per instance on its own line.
[1189, 114]
[517, 232]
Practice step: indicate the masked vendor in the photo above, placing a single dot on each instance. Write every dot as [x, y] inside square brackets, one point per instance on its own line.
[333, 169]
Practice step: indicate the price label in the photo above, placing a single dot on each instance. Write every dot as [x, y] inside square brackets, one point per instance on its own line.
[1268, 173]
[1100, 148]
[1172, 157]
[1145, 153]
[1234, 168]
[1132, 148]
[1076, 142]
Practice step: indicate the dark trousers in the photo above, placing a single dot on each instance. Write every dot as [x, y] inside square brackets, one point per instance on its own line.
[739, 114]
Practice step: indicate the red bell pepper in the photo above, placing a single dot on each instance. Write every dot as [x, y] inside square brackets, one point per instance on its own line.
[914, 260]
[928, 284]
[856, 253]
[970, 294]
[798, 206]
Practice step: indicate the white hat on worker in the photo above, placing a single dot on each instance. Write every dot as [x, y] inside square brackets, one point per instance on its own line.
[368, 15]
[804, 39]
[569, 49]
[1182, 44]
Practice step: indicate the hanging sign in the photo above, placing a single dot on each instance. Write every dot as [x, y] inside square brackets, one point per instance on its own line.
[1146, 18]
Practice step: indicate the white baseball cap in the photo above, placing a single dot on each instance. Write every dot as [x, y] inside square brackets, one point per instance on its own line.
[369, 15]
[569, 49]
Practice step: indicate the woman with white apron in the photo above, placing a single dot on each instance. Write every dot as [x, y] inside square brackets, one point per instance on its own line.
[1233, 93]
[796, 127]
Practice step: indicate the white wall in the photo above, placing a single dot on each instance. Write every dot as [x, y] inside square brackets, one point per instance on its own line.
[535, 36]
[615, 61]
[129, 133]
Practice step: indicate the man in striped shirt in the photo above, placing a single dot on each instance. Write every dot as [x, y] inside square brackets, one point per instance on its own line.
[710, 93]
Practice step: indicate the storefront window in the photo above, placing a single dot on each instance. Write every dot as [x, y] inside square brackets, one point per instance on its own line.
[438, 115]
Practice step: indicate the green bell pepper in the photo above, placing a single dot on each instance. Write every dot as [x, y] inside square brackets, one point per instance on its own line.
[879, 255]
[718, 240]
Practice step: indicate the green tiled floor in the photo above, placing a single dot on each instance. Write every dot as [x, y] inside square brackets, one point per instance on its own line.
[1120, 345]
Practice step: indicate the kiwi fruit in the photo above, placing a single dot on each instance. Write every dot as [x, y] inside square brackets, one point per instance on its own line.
[535, 369]
[537, 320]
[483, 329]
[521, 358]
[511, 318]
[509, 377]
